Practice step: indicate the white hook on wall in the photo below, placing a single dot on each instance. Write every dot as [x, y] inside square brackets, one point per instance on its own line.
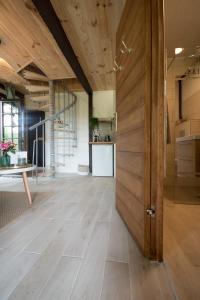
[125, 49]
[116, 66]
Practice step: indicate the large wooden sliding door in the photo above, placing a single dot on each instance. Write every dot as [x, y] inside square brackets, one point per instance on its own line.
[140, 123]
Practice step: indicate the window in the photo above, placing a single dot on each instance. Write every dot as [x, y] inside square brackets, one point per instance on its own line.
[11, 123]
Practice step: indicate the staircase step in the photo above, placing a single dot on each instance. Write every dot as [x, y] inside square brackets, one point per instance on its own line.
[71, 146]
[60, 138]
[61, 124]
[30, 75]
[45, 106]
[64, 130]
[41, 98]
[65, 138]
[37, 88]
[65, 154]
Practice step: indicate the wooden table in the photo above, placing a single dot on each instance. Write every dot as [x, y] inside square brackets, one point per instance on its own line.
[23, 171]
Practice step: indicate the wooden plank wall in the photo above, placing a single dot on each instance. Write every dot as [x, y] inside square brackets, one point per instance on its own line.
[133, 121]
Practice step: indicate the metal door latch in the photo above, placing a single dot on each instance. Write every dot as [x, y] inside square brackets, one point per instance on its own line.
[150, 212]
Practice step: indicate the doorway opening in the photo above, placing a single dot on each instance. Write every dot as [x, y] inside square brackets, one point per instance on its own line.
[182, 148]
[182, 181]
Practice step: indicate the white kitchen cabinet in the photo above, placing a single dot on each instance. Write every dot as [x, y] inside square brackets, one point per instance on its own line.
[102, 160]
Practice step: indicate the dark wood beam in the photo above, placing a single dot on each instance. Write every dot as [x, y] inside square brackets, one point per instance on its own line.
[52, 21]
[50, 18]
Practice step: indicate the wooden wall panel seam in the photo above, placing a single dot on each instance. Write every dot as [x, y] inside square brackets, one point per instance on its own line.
[138, 128]
[127, 91]
[131, 173]
[139, 231]
[140, 223]
[135, 197]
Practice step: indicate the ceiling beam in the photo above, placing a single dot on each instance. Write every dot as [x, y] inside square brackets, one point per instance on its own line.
[50, 18]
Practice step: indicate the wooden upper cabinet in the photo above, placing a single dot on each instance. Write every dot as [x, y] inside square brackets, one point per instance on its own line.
[140, 133]
[104, 104]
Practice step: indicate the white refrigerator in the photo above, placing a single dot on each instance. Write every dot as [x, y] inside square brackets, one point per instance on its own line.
[102, 160]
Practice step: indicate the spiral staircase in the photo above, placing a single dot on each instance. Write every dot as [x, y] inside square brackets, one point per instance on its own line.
[59, 129]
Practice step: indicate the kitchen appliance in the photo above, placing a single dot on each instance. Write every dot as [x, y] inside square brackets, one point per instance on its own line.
[102, 160]
[107, 138]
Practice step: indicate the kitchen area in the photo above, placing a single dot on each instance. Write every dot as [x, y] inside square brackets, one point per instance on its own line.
[103, 126]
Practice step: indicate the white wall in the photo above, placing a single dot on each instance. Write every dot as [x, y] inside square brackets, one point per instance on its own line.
[47, 142]
[81, 153]
[103, 107]
[83, 128]
[191, 96]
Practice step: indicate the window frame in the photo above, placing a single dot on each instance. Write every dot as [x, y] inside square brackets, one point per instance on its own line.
[20, 125]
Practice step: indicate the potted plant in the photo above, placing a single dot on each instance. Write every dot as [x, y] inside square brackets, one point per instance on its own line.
[6, 147]
[94, 125]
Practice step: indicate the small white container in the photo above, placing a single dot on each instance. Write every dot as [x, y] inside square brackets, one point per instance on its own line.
[22, 157]
[83, 170]
[13, 158]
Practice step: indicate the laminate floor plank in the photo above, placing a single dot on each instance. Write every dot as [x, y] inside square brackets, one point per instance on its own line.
[67, 211]
[118, 242]
[89, 281]
[116, 284]
[181, 269]
[57, 209]
[33, 283]
[75, 246]
[106, 205]
[76, 212]
[41, 242]
[10, 234]
[148, 279]
[15, 273]
[31, 231]
[182, 241]
[79, 239]
[59, 286]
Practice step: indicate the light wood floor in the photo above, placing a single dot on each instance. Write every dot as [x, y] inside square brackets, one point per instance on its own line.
[75, 246]
[182, 242]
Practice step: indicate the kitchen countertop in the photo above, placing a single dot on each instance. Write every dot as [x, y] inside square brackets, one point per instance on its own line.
[101, 143]
[188, 138]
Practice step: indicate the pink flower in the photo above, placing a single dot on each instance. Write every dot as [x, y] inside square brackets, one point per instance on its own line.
[7, 146]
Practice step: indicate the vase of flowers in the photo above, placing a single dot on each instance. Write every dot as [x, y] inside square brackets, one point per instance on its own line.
[6, 147]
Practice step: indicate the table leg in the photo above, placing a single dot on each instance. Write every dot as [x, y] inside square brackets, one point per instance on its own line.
[26, 186]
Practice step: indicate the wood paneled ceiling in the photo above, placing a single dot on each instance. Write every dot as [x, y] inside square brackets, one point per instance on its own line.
[25, 38]
[91, 26]
[182, 24]
[8, 74]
